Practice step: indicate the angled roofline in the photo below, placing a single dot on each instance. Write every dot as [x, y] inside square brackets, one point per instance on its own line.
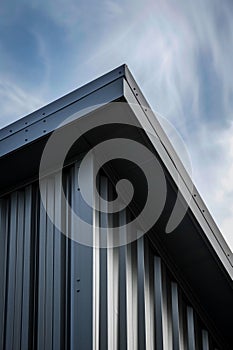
[46, 119]
[118, 84]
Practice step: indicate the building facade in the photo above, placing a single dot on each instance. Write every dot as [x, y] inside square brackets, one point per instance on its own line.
[77, 284]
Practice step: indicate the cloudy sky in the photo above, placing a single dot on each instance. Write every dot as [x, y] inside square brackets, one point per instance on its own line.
[180, 52]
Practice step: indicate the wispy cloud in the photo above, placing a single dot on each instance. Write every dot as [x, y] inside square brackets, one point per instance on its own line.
[16, 102]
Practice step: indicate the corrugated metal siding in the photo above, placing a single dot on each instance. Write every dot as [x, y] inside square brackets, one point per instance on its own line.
[58, 294]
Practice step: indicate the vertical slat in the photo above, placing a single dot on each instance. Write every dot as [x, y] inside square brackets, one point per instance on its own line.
[46, 264]
[74, 290]
[190, 329]
[182, 323]
[49, 277]
[27, 282]
[59, 262]
[166, 310]
[67, 252]
[96, 277]
[85, 272]
[158, 302]
[149, 299]
[103, 299]
[175, 316]
[112, 288]
[103, 274]
[12, 261]
[122, 319]
[141, 295]
[19, 271]
[41, 322]
[96, 288]
[34, 306]
[205, 340]
[3, 265]
[81, 274]
[132, 296]
[112, 282]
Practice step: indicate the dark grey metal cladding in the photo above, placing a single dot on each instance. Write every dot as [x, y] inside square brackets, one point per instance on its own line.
[59, 307]
[141, 294]
[42, 114]
[17, 312]
[103, 344]
[40, 128]
[158, 302]
[191, 332]
[62, 315]
[175, 316]
[4, 207]
[122, 326]
[81, 272]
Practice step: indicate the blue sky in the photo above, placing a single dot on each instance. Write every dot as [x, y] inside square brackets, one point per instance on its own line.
[180, 52]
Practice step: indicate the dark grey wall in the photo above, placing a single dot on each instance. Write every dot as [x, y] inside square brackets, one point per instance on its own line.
[57, 294]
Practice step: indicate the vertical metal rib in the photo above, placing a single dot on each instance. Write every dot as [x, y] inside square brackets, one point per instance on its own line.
[12, 261]
[27, 281]
[3, 266]
[166, 310]
[158, 302]
[96, 280]
[132, 296]
[81, 276]
[112, 296]
[205, 340]
[49, 275]
[149, 299]
[122, 319]
[175, 316]
[190, 329]
[141, 294]
[41, 277]
[182, 322]
[18, 271]
[103, 275]
[113, 280]
[59, 262]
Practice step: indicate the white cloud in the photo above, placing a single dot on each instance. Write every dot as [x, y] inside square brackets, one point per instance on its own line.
[223, 193]
[16, 102]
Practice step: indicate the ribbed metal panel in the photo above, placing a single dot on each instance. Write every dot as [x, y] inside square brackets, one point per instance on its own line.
[58, 294]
